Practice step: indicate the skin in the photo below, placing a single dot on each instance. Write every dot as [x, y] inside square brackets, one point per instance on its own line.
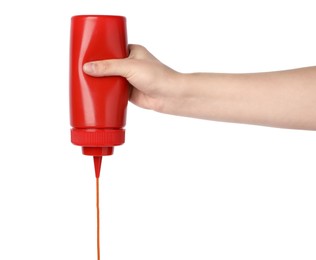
[285, 99]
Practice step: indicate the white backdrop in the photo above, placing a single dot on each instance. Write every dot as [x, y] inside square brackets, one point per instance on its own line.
[179, 188]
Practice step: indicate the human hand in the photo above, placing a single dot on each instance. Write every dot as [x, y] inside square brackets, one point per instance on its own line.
[152, 84]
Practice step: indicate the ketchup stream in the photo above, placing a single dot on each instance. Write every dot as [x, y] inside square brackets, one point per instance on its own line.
[98, 218]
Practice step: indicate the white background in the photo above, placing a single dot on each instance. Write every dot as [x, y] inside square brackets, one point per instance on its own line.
[179, 188]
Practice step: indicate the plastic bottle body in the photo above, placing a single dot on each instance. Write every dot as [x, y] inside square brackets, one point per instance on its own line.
[97, 105]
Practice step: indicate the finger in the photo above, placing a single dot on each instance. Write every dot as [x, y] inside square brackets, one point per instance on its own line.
[138, 98]
[116, 67]
[137, 51]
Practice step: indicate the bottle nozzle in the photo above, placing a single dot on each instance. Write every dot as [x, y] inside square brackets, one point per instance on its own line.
[97, 165]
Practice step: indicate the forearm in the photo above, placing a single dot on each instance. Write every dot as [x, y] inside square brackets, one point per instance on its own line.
[279, 99]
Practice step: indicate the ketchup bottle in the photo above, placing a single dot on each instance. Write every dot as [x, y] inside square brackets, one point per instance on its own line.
[97, 105]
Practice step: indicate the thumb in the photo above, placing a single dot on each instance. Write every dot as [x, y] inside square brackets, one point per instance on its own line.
[114, 67]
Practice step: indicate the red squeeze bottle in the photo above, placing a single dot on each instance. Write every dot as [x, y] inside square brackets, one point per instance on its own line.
[97, 105]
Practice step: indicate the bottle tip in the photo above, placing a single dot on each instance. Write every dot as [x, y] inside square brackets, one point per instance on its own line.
[97, 165]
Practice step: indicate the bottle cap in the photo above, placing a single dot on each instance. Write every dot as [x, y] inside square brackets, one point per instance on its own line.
[97, 142]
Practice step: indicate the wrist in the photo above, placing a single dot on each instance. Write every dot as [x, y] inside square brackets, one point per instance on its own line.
[182, 95]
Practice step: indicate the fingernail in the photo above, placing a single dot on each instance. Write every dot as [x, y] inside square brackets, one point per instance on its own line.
[89, 67]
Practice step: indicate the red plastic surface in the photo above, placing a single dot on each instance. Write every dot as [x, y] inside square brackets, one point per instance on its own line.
[97, 165]
[97, 105]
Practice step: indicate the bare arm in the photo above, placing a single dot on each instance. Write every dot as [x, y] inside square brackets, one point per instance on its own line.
[278, 99]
